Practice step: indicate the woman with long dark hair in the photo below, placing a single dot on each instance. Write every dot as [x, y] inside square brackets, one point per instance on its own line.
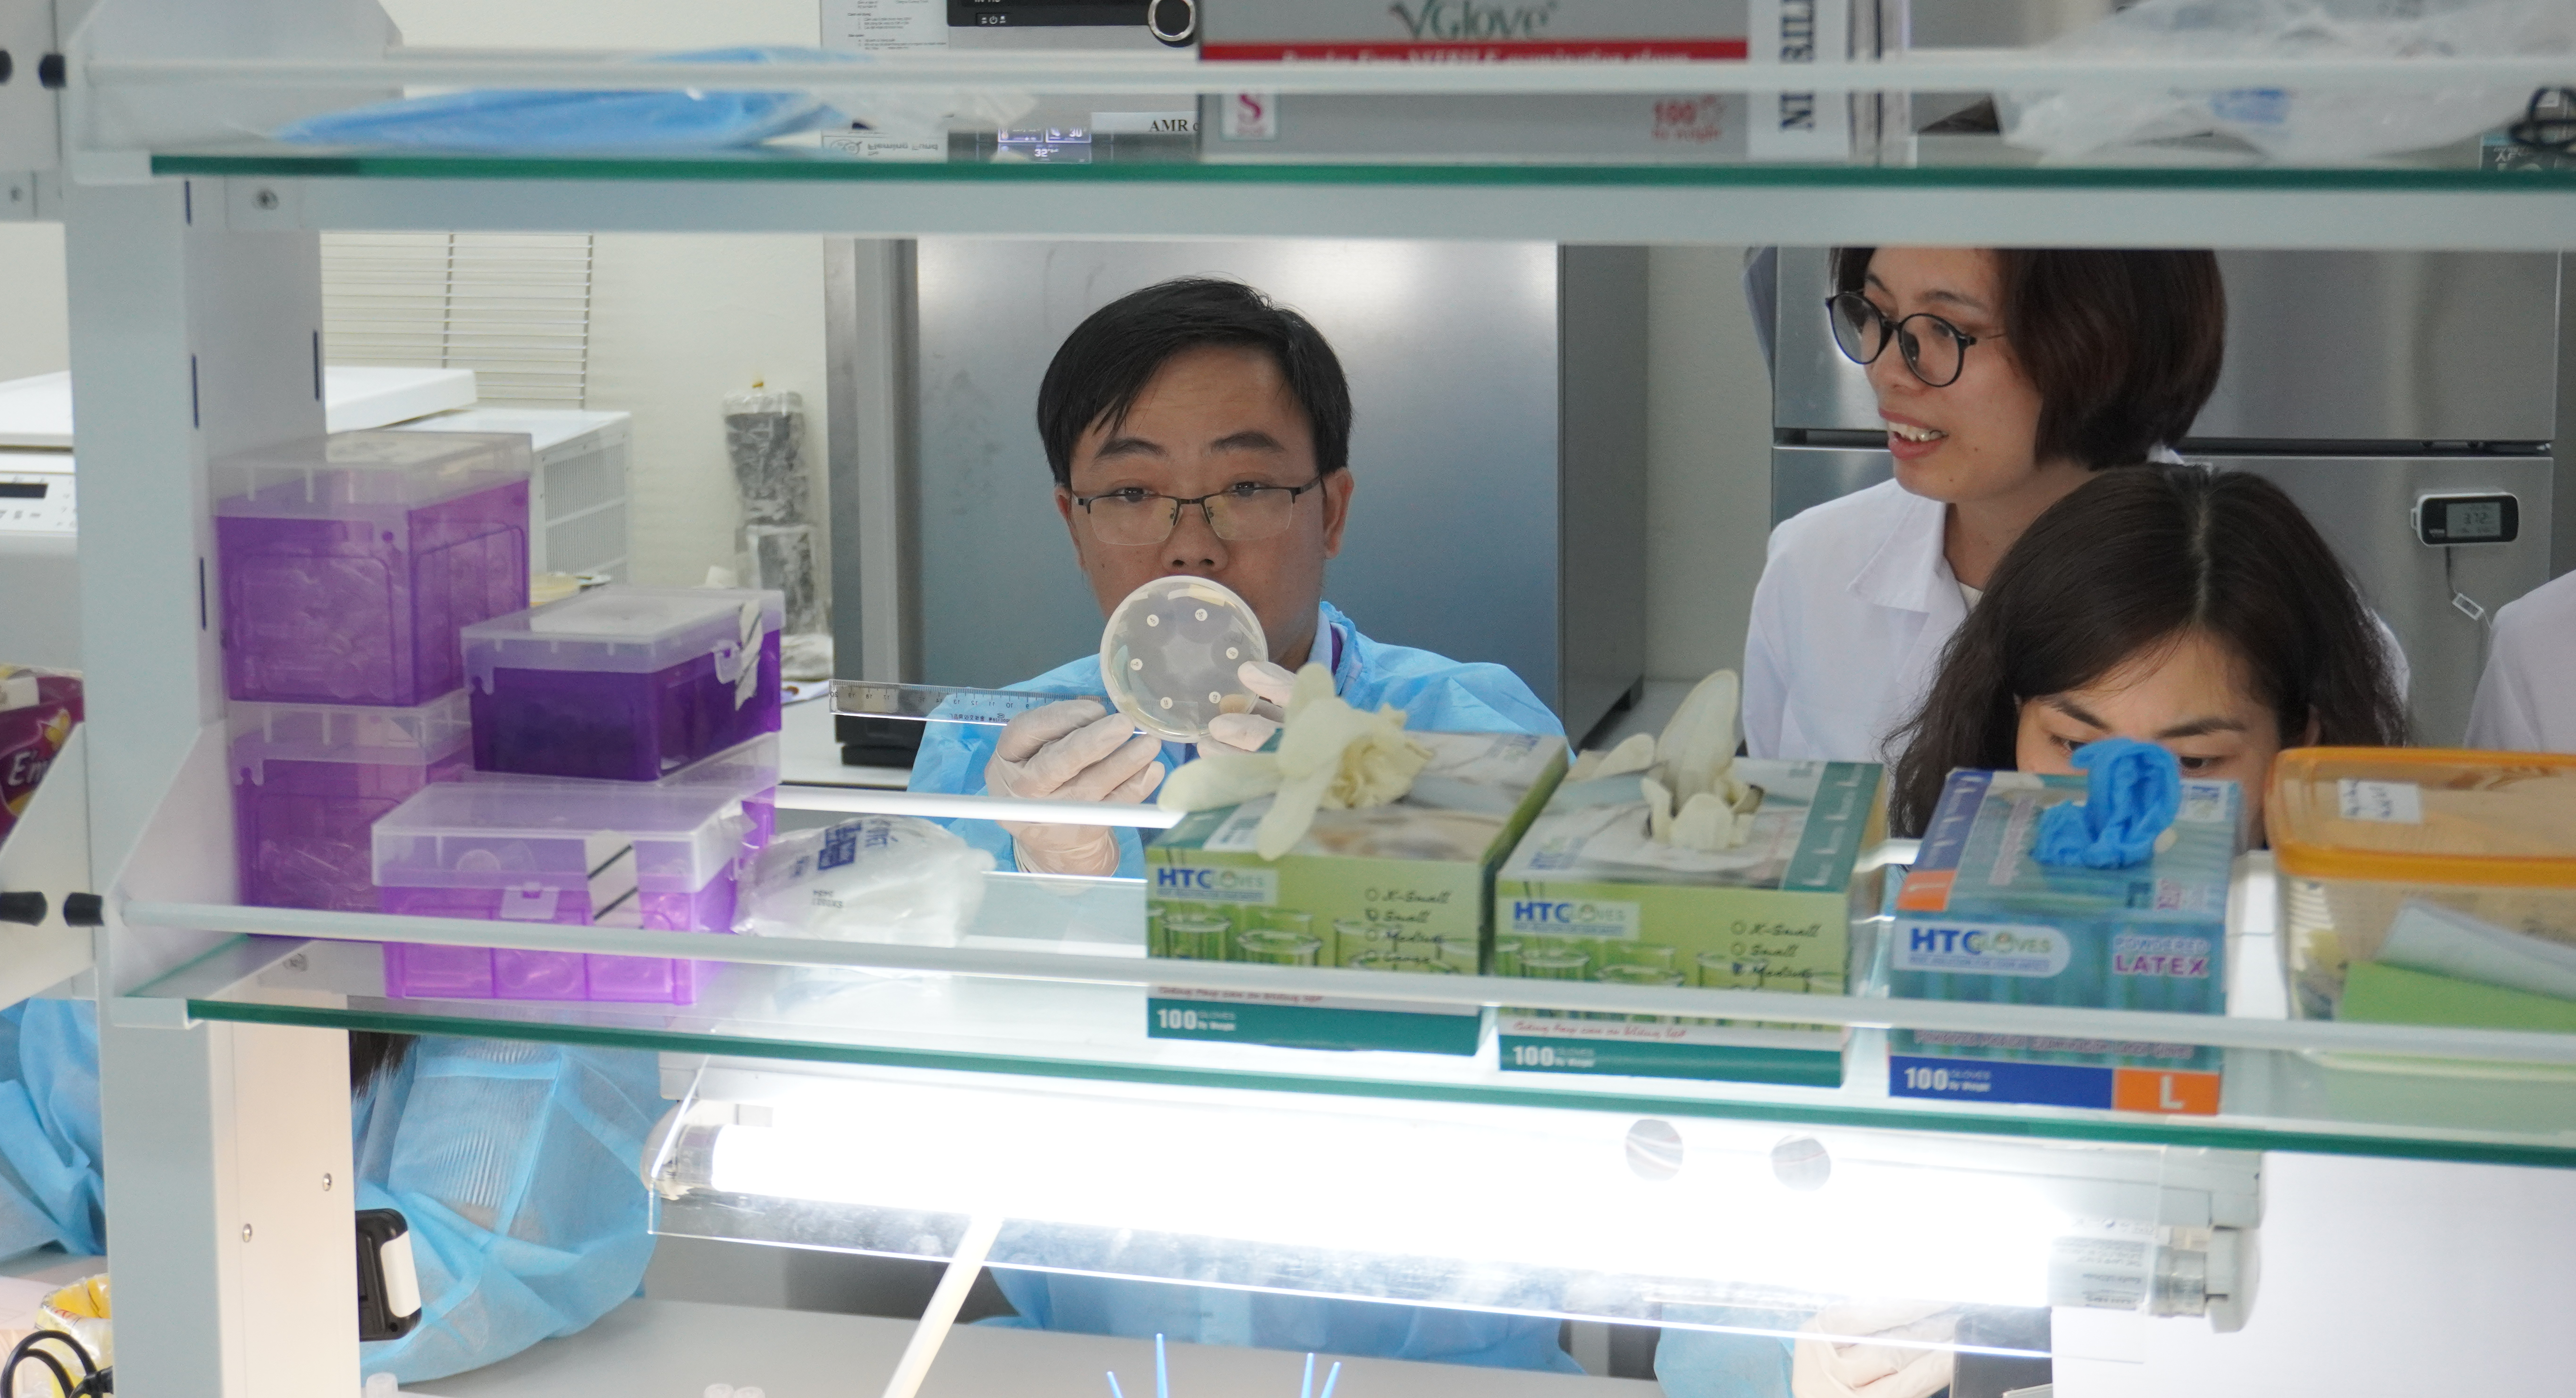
[2193, 608]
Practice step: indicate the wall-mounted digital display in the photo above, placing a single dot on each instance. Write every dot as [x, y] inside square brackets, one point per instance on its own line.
[2468, 519]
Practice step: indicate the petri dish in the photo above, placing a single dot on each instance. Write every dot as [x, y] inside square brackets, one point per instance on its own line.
[1171, 652]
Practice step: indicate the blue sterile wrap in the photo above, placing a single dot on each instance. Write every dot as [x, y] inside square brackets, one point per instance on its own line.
[2134, 792]
[557, 120]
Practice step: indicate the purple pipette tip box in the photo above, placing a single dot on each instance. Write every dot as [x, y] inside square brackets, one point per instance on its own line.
[624, 683]
[309, 780]
[347, 564]
[666, 855]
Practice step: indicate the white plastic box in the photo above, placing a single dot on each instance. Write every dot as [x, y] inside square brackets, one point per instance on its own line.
[577, 499]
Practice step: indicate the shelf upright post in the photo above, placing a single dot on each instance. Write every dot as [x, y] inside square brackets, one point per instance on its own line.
[230, 1192]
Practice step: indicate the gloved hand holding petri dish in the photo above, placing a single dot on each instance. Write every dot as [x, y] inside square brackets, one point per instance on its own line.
[1173, 655]
[1179, 654]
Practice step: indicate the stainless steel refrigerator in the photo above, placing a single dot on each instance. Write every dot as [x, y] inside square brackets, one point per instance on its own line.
[2391, 394]
[1498, 445]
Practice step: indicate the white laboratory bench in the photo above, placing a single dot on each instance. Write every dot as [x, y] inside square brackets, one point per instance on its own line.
[677, 1349]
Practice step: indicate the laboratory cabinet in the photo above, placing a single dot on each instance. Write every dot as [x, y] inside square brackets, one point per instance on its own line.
[865, 1099]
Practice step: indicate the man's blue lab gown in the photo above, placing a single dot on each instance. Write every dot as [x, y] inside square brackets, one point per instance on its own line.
[1435, 693]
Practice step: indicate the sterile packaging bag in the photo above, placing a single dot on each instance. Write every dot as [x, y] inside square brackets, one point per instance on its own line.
[38, 710]
[2317, 124]
[879, 878]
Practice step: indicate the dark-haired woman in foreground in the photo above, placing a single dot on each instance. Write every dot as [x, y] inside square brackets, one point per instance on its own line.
[2195, 609]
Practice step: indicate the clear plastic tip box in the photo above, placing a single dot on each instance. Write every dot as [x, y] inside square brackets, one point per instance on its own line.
[349, 563]
[630, 683]
[589, 853]
[310, 779]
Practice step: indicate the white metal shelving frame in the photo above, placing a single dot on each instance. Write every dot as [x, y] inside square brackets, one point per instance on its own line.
[195, 300]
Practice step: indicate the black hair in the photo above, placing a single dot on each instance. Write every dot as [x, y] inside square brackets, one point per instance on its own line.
[2136, 558]
[1108, 360]
[2123, 345]
[373, 1056]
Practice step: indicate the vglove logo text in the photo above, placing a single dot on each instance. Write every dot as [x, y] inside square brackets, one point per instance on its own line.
[1980, 948]
[1467, 19]
[1572, 917]
[1259, 886]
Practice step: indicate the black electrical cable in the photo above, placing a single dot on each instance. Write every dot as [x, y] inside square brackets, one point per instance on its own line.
[26, 1349]
[100, 1384]
[20, 1355]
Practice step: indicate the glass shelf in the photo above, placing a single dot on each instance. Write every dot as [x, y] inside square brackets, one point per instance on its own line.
[2293, 1086]
[1967, 163]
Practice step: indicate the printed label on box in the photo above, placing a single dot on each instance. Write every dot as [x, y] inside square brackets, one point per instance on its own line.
[1250, 116]
[1991, 949]
[1217, 884]
[2394, 803]
[1570, 917]
[2055, 1085]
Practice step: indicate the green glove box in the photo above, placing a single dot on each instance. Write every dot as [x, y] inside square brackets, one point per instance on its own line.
[1589, 895]
[1401, 887]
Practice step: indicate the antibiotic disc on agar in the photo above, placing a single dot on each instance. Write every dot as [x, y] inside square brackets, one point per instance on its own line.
[1170, 654]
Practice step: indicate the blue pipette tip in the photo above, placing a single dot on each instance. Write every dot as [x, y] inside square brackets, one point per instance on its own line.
[1332, 1378]
[1114, 1390]
[1162, 1375]
[1307, 1388]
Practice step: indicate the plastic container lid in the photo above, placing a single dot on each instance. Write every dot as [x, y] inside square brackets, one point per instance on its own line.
[741, 772]
[358, 472]
[409, 737]
[1170, 654]
[553, 832]
[631, 630]
[2425, 815]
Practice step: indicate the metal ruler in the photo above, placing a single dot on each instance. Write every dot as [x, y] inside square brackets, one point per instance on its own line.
[935, 703]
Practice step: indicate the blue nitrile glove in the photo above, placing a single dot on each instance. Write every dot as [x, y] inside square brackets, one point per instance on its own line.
[2134, 794]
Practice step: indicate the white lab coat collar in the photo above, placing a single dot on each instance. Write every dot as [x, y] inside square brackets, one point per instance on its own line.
[1908, 571]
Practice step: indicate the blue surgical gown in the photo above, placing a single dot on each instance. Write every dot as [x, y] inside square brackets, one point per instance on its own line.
[1435, 693]
[515, 1165]
[49, 1150]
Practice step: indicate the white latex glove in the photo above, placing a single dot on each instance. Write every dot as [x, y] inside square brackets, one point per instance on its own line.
[1071, 750]
[1268, 708]
[1838, 1368]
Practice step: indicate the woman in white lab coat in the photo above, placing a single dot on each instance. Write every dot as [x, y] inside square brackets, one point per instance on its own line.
[2527, 698]
[2006, 377]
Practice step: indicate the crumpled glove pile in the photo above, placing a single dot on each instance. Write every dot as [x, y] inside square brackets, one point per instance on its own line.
[1330, 757]
[1693, 798]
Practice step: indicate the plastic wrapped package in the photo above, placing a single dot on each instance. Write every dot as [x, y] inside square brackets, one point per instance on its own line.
[556, 120]
[630, 683]
[38, 710]
[349, 563]
[2291, 124]
[765, 440]
[879, 878]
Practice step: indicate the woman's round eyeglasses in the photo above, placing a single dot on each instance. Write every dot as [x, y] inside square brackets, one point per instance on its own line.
[1936, 353]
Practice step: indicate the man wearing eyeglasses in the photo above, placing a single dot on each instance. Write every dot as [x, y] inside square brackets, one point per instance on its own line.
[1196, 428]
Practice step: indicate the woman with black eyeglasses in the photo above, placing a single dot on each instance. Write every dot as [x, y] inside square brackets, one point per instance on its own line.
[2007, 377]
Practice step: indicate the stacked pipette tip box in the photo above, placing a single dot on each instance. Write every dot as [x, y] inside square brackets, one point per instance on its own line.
[625, 772]
[346, 568]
